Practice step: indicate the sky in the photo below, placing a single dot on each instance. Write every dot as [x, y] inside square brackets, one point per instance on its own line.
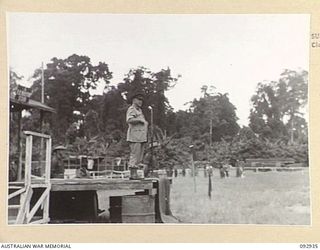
[231, 52]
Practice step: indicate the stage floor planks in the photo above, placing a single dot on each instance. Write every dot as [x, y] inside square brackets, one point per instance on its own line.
[100, 184]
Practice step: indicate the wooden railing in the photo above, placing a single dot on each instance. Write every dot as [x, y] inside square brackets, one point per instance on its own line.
[26, 214]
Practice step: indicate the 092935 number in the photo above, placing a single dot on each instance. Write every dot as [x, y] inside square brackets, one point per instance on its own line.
[309, 246]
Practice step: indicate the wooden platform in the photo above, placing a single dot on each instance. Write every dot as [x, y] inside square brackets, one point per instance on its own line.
[154, 187]
[100, 184]
[95, 184]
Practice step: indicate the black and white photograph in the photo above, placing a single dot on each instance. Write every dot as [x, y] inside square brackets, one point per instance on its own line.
[158, 119]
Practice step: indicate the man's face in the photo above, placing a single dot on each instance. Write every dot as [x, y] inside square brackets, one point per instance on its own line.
[138, 101]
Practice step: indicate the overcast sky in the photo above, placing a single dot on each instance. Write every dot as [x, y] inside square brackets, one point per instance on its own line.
[231, 52]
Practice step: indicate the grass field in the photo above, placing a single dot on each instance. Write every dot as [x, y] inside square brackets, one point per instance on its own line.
[277, 198]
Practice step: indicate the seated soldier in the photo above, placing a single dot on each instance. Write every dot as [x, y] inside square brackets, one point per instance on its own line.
[57, 164]
[82, 171]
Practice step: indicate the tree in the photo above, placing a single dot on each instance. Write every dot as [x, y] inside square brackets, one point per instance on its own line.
[68, 83]
[214, 110]
[14, 78]
[276, 106]
[293, 95]
[265, 116]
[113, 113]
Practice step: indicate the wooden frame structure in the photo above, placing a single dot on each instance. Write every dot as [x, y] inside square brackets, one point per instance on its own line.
[17, 106]
[26, 214]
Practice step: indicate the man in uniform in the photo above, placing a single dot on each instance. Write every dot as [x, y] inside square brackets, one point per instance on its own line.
[137, 133]
[57, 165]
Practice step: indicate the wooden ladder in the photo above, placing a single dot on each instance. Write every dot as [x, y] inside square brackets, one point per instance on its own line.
[20, 193]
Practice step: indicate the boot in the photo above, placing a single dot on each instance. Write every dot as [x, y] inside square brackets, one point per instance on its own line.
[134, 173]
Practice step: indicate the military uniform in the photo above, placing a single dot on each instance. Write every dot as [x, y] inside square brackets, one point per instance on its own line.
[136, 135]
[57, 167]
[57, 164]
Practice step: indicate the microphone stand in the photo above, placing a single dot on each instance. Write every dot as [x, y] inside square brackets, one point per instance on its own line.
[151, 139]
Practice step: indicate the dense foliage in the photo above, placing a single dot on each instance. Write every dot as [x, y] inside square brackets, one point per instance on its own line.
[277, 107]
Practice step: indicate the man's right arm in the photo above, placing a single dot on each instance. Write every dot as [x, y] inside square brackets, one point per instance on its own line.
[135, 121]
[132, 117]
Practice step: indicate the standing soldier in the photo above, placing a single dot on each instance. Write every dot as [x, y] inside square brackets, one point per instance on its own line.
[222, 171]
[183, 171]
[240, 169]
[137, 133]
[226, 168]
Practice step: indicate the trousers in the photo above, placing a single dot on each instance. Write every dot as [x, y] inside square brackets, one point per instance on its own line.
[136, 153]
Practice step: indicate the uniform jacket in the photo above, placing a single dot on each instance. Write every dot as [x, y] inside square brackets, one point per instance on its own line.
[136, 132]
[57, 167]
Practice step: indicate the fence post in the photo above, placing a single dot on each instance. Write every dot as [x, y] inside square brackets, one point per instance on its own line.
[28, 161]
[48, 160]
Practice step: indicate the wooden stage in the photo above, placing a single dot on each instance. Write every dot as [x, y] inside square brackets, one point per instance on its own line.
[101, 184]
[92, 184]
[65, 193]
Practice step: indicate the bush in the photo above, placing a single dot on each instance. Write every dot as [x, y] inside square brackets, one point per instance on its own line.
[256, 148]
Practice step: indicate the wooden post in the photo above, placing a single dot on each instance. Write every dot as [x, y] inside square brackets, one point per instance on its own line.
[292, 126]
[28, 162]
[194, 174]
[19, 175]
[98, 165]
[151, 150]
[210, 186]
[210, 133]
[46, 194]
[41, 143]
[42, 83]
[27, 180]
[25, 206]
[48, 161]
[41, 118]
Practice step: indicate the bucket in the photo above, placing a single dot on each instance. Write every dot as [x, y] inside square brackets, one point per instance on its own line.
[132, 209]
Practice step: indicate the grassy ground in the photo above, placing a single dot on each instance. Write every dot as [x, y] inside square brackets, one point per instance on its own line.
[278, 198]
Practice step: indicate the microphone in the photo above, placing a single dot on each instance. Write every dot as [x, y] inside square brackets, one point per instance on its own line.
[150, 107]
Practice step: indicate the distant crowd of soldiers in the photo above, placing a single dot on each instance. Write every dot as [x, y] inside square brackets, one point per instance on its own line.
[224, 169]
